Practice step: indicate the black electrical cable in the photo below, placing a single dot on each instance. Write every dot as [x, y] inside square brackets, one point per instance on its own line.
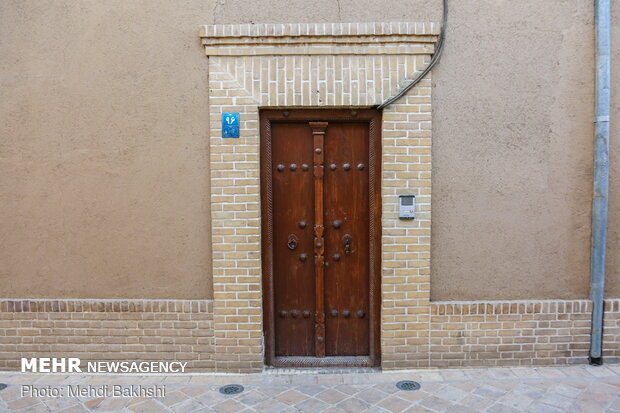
[434, 59]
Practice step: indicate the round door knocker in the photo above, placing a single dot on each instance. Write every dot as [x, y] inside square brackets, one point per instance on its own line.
[292, 242]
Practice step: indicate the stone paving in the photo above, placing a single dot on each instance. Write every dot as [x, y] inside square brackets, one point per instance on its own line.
[584, 389]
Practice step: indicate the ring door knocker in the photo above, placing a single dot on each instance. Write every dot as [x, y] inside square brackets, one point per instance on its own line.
[292, 242]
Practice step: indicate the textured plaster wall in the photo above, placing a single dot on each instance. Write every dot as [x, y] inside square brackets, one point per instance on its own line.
[104, 162]
[513, 151]
[103, 149]
[513, 137]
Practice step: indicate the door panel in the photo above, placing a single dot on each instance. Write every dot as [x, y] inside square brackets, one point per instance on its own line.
[346, 217]
[293, 200]
[321, 217]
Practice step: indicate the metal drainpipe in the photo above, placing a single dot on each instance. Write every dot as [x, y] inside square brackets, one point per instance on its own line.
[601, 177]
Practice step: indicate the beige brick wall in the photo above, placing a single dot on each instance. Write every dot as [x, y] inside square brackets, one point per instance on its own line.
[443, 334]
[611, 331]
[515, 333]
[406, 245]
[96, 330]
[365, 64]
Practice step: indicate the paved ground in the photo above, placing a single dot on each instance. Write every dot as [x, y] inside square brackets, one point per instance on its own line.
[494, 390]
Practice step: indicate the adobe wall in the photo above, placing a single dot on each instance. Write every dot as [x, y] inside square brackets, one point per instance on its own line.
[105, 188]
[105, 166]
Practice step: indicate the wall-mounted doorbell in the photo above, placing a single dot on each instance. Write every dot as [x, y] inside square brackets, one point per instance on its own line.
[407, 206]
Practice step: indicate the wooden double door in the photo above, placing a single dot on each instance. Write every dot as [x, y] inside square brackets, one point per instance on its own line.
[321, 227]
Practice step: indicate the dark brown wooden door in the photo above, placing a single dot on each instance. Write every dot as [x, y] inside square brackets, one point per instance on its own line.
[320, 200]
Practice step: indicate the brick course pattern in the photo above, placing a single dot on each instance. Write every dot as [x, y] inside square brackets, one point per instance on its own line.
[514, 333]
[406, 245]
[611, 331]
[97, 330]
[457, 334]
[318, 66]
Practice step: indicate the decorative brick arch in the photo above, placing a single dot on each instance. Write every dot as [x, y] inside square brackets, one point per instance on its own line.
[339, 65]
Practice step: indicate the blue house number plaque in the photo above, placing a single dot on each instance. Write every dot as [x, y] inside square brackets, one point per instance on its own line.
[230, 125]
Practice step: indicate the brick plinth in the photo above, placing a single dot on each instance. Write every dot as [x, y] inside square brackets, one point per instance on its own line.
[443, 334]
[512, 333]
[97, 330]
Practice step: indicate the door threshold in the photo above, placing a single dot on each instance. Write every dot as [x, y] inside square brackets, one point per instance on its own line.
[269, 370]
[296, 362]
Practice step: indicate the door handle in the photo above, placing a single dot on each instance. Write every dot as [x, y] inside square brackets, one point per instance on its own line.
[346, 241]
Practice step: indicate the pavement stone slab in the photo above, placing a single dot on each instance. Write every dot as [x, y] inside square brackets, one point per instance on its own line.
[291, 397]
[571, 389]
[331, 396]
[394, 404]
[270, 406]
[353, 405]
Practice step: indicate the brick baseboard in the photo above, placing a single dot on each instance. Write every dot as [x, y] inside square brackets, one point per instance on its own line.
[461, 334]
[95, 330]
[513, 333]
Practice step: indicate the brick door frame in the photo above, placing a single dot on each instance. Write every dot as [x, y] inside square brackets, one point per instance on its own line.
[339, 66]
